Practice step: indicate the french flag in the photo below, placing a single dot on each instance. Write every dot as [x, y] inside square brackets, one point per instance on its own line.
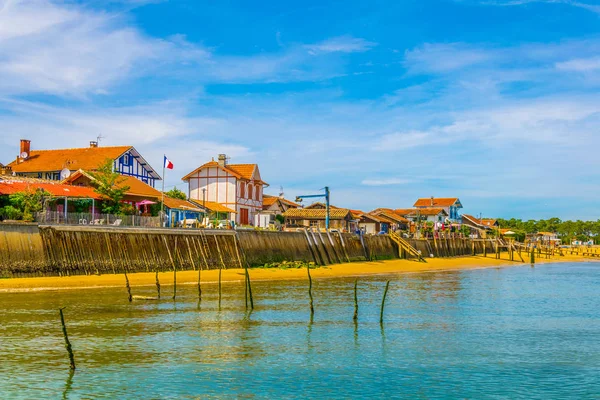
[168, 163]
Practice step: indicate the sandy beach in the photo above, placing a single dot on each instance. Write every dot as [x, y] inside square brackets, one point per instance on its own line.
[261, 274]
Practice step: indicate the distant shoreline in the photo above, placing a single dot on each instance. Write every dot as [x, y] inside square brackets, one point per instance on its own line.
[140, 279]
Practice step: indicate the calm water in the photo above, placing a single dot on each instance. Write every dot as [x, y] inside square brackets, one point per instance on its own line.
[497, 333]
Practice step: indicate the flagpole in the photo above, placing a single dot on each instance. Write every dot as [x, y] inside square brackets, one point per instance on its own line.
[162, 202]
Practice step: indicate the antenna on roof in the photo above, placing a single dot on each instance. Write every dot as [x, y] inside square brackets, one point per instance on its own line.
[281, 192]
[98, 138]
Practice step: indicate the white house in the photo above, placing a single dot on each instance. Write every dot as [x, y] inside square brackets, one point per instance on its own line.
[451, 205]
[235, 186]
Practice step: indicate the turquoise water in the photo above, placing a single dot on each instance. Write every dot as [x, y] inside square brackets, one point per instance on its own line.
[506, 333]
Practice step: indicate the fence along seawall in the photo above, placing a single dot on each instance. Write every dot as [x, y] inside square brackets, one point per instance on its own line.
[47, 250]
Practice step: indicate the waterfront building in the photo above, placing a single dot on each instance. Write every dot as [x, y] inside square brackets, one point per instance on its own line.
[339, 218]
[238, 187]
[434, 215]
[58, 164]
[394, 221]
[451, 206]
[271, 207]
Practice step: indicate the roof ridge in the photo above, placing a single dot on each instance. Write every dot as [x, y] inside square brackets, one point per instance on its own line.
[83, 148]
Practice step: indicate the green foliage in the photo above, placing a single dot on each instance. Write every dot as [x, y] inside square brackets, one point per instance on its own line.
[566, 230]
[280, 218]
[109, 185]
[10, 212]
[127, 209]
[289, 265]
[176, 194]
[27, 203]
[81, 205]
[465, 230]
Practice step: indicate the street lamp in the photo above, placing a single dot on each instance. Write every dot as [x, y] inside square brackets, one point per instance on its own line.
[204, 201]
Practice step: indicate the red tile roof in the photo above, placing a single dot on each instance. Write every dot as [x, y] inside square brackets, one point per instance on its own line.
[437, 202]
[240, 171]
[88, 158]
[54, 189]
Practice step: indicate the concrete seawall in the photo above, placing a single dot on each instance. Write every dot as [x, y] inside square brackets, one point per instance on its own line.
[28, 250]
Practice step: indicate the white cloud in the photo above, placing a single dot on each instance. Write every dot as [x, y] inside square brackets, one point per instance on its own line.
[432, 57]
[585, 5]
[386, 182]
[61, 49]
[580, 64]
[341, 44]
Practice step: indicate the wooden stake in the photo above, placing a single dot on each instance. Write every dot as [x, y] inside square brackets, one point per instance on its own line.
[355, 300]
[387, 286]
[249, 288]
[220, 287]
[129, 297]
[67, 342]
[312, 308]
[157, 285]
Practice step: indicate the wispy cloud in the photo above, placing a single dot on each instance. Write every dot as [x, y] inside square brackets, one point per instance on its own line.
[585, 5]
[386, 182]
[341, 44]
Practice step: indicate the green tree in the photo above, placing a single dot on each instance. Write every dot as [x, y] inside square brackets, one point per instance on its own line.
[176, 194]
[109, 185]
[28, 202]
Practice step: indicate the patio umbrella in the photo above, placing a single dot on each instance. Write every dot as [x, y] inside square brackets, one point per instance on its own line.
[145, 202]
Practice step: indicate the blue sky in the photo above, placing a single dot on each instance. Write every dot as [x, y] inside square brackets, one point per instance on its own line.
[495, 102]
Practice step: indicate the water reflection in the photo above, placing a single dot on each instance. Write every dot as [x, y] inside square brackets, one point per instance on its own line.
[504, 333]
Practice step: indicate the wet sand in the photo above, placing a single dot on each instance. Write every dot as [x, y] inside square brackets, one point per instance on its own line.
[256, 274]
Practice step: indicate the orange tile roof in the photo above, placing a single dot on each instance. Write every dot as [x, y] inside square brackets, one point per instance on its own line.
[317, 213]
[394, 217]
[88, 158]
[428, 212]
[8, 187]
[245, 170]
[217, 207]
[136, 187]
[437, 202]
[488, 221]
[268, 201]
[181, 204]
[404, 211]
[240, 171]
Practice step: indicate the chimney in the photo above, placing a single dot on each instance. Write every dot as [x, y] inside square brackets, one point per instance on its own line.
[431, 201]
[93, 144]
[222, 160]
[25, 149]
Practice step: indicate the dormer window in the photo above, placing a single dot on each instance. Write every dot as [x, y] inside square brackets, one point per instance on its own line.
[126, 159]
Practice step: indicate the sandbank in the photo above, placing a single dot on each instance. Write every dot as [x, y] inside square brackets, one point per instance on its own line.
[263, 274]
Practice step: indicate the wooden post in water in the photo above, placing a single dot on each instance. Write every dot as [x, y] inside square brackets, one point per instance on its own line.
[249, 289]
[355, 317]
[387, 286]
[67, 342]
[199, 286]
[157, 284]
[129, 297]
[312, 308]
[220, 269]
[532, 256]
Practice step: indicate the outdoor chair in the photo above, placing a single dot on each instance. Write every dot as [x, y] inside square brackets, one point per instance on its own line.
[117, 222]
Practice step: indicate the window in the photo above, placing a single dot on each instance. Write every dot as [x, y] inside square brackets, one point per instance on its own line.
[250, 191]
[242, 190]
[314, 224]
[256, 192]
[126, 159]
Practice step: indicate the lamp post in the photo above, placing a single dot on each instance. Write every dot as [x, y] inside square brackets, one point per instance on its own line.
[204, 202]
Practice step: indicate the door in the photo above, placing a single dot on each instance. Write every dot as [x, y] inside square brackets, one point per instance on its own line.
[243, 216]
